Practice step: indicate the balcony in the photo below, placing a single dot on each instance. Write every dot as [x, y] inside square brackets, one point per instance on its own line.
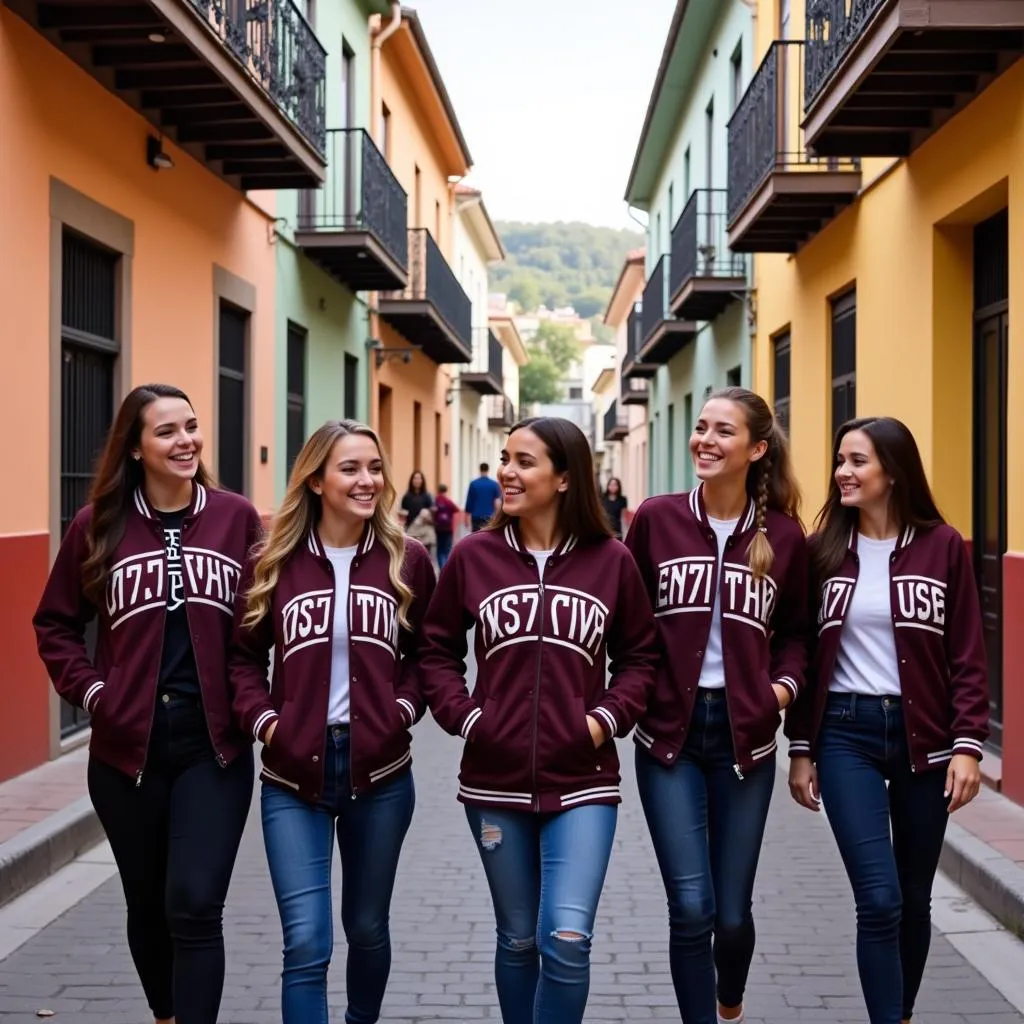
[634, 391]
[485, 373]
[501, 413]
[706, 275]
[779, 197]
[631, 368]
[239, 84]
[354, 227]
[662, 335]
[616, 426]
[432, 312]
[883, 75]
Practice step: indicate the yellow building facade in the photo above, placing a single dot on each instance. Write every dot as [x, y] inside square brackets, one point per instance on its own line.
[888, 228]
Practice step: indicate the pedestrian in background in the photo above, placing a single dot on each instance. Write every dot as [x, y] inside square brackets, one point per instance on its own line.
[445, 511]
[483, 498]
[337, 593]
[614, 503]
[552, 596]
[893, 724]
[726, 569]
[417, 511]
[155, 558]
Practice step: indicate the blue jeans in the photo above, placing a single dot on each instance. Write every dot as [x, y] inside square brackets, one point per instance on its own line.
[890, 838]
[707, 825]
[299, 839]
[545, 873]
[444, 547]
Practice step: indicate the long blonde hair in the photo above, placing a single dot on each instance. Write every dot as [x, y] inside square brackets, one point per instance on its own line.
[300, 512]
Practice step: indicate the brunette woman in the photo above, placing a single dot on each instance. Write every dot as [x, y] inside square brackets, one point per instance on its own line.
[552, 596]
[418, 512]
[726, 568]
[338, 593]
[614, 503]
[893, 726]
[156, 557]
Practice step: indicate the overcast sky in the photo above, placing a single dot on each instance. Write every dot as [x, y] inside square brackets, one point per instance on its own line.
[551, 96]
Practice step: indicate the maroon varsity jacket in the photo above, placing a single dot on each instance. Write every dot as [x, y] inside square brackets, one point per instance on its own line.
[118, 685]
[764, 622]
[940, 648]
[385, 690]
[541, 648]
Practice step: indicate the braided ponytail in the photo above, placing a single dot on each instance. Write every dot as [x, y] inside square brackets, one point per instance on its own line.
[761, 554]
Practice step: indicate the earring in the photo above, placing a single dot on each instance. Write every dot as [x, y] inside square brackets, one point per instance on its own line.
[136, 456]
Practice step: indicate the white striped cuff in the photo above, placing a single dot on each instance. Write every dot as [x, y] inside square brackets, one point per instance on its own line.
[966, 745]
[607, 719]
[91, 694]
[264, 720]
[407, 707]
[790, 684]
[799, 748]
[470, 721]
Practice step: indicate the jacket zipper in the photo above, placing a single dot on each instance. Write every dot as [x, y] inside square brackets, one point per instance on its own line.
[218, 756]
[719, 562]
[536, 691]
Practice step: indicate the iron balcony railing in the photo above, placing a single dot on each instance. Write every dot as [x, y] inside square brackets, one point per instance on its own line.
[699, 247]
[431, 280]
[764, 131]
[280, 52]
[634, 336]
[634, 387]
[487, 354]
[655, 301]
[361, 193]
[833, 26]
[500, 411]
[614, 421]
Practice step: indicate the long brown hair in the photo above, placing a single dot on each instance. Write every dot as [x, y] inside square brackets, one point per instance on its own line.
[300, 512]
[911, 496]
[770, 480]
[580, 513]
[117, 477]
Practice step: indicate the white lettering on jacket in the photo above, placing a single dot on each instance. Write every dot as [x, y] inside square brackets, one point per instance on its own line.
[687, 585]
[140, 582]
[745, 599]
[921, 603]
[574, 619]
[373, 618]
[835, 599]
[306, 620]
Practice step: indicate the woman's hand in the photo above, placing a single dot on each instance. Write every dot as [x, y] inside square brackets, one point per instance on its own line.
[803, 783]
[783, 695]
[963, 780]
[269, 734]
[596, 731]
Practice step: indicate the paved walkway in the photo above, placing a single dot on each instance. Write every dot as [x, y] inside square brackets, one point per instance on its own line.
[78, 966]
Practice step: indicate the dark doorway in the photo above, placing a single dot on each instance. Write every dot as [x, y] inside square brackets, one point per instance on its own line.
[991, 337]
[232, 398]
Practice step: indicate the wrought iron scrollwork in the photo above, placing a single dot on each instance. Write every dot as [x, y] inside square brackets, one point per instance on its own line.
[833, 26]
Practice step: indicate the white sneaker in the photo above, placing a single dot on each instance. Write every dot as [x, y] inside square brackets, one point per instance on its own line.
[731, 1020]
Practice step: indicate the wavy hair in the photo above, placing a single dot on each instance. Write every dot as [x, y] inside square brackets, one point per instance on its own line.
[771, 481]
[300, 512]
[117, 477]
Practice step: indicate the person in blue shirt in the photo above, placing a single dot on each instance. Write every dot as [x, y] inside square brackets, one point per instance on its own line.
[483, 498]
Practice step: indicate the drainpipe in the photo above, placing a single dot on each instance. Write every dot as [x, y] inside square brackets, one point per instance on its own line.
[379, 34]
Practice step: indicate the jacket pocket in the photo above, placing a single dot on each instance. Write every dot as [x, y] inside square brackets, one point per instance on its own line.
[105, 703]
[278, 756]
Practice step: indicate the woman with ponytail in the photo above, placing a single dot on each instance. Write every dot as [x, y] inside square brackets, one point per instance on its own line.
[725, 566]
[337, 592]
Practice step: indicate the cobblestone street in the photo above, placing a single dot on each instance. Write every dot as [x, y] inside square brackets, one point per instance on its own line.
[78, 966]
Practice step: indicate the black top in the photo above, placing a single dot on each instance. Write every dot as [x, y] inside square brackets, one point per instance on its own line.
[178, 673]
[414, 504]
[613, 509]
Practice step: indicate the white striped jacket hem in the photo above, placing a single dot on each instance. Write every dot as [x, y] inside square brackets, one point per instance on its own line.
[91, 694]
[966, 745]
[390, 769]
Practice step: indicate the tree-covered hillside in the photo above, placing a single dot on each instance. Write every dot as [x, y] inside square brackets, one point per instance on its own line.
[561, 264]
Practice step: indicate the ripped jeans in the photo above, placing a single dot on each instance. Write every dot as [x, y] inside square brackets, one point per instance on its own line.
[545, 873]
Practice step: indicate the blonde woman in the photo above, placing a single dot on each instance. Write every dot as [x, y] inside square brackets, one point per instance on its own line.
[338, 592]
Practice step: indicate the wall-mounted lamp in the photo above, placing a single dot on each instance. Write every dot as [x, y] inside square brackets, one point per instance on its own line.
[155, 155]
[383, 354]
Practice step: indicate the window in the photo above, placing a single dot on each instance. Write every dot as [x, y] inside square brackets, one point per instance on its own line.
[709, 145]
[231, 397]
[417, 436]
[575, 394]
[844, 359]
[348, 85]
[736, 71]
[351, 395]
[296, 396]
[686, 175]
[385, 131]
[733, 377]
[780, 378]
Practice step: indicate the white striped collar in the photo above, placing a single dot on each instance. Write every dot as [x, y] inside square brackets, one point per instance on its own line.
[200, 497]
[511, 534]
[696, 500]
[903, 539]
[315, 545]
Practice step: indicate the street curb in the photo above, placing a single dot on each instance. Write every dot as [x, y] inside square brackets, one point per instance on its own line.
[994, 881]
[45, 847]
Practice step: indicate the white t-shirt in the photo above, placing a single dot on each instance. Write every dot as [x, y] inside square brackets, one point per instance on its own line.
[542, 559]
[338, 705]
[712, 669]
[866, 662]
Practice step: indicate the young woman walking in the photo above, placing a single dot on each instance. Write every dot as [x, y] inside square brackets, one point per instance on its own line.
[726, 569]
[156, 558]
[552, 596]
[614, 503]
[893, 725]
[338, 593]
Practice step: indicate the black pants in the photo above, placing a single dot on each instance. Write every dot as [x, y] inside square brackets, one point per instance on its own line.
[175, 838]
